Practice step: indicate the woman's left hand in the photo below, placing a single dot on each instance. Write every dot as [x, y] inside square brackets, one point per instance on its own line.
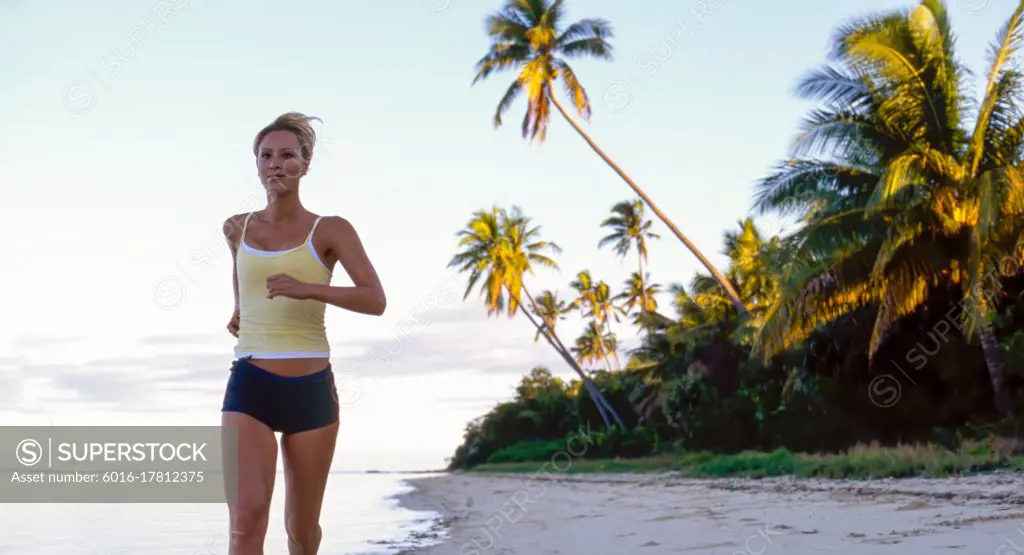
[284, 285]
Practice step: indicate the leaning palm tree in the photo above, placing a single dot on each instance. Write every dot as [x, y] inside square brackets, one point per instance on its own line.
[902, 196]
[550, 309]
[754, 266]
[630, 229]
[498, 249]
[527, 35]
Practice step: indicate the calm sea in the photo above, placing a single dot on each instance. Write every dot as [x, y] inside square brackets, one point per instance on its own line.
[359, 517]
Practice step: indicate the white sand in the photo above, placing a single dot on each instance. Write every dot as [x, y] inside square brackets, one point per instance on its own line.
[616, 514]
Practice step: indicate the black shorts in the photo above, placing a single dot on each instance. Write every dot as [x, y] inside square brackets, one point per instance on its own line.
[285, 404]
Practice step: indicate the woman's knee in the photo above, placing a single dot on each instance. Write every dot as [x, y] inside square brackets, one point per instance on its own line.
[303, 532]
[250, 520]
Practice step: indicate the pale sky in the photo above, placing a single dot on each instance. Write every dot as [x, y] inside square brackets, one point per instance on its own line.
[127, 131]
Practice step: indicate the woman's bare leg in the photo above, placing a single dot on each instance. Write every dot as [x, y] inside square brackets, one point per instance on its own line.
[257, 465]
[307, 463]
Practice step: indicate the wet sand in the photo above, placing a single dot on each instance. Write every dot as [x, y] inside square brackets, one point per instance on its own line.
[613, 514]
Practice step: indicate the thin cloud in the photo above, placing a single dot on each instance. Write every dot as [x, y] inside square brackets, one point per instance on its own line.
[498, 348]
[131, 384]
[157, 382]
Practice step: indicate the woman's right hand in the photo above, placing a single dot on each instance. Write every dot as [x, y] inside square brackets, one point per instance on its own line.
[233, 324]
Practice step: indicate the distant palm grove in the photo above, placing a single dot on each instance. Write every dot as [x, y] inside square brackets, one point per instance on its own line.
[906, 270]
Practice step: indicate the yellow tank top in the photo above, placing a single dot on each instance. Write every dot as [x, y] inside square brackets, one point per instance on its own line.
[280, 327]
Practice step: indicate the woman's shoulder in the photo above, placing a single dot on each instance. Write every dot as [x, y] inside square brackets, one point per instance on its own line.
[233, 226]
[336, 223]
[341, 230]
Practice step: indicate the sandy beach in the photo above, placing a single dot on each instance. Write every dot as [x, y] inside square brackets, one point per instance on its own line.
[613, 514]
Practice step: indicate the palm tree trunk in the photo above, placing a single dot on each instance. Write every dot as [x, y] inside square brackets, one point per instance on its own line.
[606, 352]
[556, 343]
[594, 392]
[726, 285]
[604, 355]
[643, 294]
[990, 349]
[613, 350]
[602, 351]
[602, 403]
[607, 405]
[643, 290]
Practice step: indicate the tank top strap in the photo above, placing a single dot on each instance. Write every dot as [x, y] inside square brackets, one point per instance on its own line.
[245, 225]
[316, 223]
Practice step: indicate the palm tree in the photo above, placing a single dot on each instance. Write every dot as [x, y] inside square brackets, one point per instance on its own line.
[629, 229]
[594, 301]
[901, 196]
[605, 310]
[701, 310]
[754, 265]
[657, 364]
[590, 347]
[497, 249]
[639, 292]
[704, 312]
[527, 35]
[551, 310]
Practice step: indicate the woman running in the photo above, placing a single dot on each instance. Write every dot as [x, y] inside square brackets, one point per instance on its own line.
[281, 380]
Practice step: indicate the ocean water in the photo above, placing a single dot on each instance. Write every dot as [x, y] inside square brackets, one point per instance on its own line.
[360, 517]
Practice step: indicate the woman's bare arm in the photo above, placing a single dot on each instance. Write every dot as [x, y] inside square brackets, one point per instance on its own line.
[367, 294]
[232, 234]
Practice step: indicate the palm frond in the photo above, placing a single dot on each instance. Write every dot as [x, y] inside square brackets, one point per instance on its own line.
[574, 89]
[506, 101]
[592, 28]
[1008, 42]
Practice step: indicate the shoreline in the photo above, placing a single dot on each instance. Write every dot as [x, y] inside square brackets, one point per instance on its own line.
[662, 512]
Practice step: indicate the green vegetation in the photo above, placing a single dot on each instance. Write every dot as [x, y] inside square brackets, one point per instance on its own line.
[890, 317]
[864, 463]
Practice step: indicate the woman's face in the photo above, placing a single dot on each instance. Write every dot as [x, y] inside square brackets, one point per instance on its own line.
[280, 163]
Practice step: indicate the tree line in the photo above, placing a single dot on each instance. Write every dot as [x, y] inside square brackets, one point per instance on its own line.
[907, 263]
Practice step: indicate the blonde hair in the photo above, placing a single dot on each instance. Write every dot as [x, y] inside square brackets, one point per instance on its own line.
[297, 123]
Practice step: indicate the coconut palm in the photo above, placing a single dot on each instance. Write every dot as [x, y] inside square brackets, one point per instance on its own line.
[592, 345]
[630, 229]
[901, 195]
[528, 36]
[498, 248]
[639, 293]
[605, 310]
[594, 301]
[551, 310]
[755, 262]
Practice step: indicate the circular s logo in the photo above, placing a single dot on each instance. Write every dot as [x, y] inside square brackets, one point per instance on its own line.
[168, 292]
[617, 96]
[29, 452]
[975, 7]
[884, 391]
